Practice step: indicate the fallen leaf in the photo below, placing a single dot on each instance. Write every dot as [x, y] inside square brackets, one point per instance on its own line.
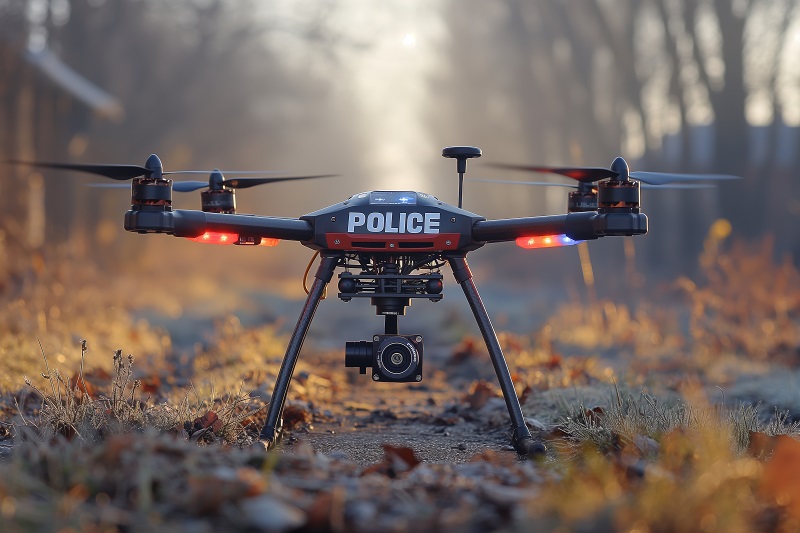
[150, 384]
[403, 454]
[781, 474]
[294, 415]
[396, 460]
[207, 493]
[595, 415]
[205, 421]
[494, 457]
[466, 350]
[479, 393]
[553, 362]
[760, 444]
[81, 387]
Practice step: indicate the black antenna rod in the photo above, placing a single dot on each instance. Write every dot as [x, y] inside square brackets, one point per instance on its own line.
[461, 154]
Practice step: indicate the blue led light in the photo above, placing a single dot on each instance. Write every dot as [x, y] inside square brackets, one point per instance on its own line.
[545, 241]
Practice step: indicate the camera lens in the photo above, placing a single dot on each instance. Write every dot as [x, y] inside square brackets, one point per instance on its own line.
[358, 354]
[397, 358]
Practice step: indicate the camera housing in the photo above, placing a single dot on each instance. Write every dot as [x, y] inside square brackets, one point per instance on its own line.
[392, 358]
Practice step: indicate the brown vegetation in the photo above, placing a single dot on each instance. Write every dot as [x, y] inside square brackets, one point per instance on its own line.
[96, 442]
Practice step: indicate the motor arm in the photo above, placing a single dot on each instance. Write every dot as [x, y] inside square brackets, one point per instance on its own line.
[576, 226]
[190, 223]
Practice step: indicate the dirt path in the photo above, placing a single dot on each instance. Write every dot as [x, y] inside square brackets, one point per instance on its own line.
[435, 424]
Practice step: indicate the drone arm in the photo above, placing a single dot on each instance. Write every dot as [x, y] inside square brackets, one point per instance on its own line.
[290, 229]
[577, 226]
[189, 223]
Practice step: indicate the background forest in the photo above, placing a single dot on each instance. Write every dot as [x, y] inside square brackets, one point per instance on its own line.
[661, 371]
[375, 92]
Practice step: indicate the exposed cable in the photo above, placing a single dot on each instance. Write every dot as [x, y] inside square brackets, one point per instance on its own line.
[305, 277]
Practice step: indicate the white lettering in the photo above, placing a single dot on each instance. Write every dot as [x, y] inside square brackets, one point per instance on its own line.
[385, 223]
[375, 222]
[431, 223]
[415, 222]
[355, 219]
[388, 228]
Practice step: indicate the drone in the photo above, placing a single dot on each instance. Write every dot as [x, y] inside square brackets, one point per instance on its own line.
[391, 246]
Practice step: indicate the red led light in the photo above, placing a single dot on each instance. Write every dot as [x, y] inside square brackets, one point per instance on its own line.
[545, 241]
[213, 237]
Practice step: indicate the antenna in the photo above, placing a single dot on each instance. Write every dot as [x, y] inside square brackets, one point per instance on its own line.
[461, 154]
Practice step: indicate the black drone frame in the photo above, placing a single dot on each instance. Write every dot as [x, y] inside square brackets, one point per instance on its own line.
[375, 230]
[457, 233]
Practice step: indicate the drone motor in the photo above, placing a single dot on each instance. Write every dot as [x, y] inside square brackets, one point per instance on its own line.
[218, 201]
[618, 196]
[151, 191]
[583, 199]
[151, 194]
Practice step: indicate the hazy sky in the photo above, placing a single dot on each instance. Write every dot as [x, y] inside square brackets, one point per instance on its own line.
[387, 51]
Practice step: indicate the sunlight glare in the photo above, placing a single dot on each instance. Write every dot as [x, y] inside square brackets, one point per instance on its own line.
[409, 40]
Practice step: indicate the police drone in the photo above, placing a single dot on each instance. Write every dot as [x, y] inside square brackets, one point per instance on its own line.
[389, 246]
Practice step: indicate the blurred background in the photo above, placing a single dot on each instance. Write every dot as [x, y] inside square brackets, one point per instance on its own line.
[373, 91]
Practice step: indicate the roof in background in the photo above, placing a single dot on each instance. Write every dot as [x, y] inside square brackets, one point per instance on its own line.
[75, 84]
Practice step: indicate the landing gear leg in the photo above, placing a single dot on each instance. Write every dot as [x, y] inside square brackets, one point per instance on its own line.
[521, 437]
[272, 428]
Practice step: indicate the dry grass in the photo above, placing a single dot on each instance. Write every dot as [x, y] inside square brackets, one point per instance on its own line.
[642, 420]
[743, 308]
[745, 304]
[608, 325]
[79, 409]
[56, 300]
[682, 466]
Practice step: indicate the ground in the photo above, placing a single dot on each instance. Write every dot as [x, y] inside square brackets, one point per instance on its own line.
[672, 411]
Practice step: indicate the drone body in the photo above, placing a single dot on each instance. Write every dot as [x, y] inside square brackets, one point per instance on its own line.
[392, 221]
[391, 246]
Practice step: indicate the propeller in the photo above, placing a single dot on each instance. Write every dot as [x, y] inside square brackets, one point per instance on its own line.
[151, 169]
[570, 186]
[217, 181]
[618, 171]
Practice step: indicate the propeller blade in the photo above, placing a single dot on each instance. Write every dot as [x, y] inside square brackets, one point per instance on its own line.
[207, 172]
[246, 183]
[545, 183]
[662, 178]
[179, 186]
[115, 172]
[678, 186]
[582, 174]
[188, 186]
[234, 183]
[643, 185]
